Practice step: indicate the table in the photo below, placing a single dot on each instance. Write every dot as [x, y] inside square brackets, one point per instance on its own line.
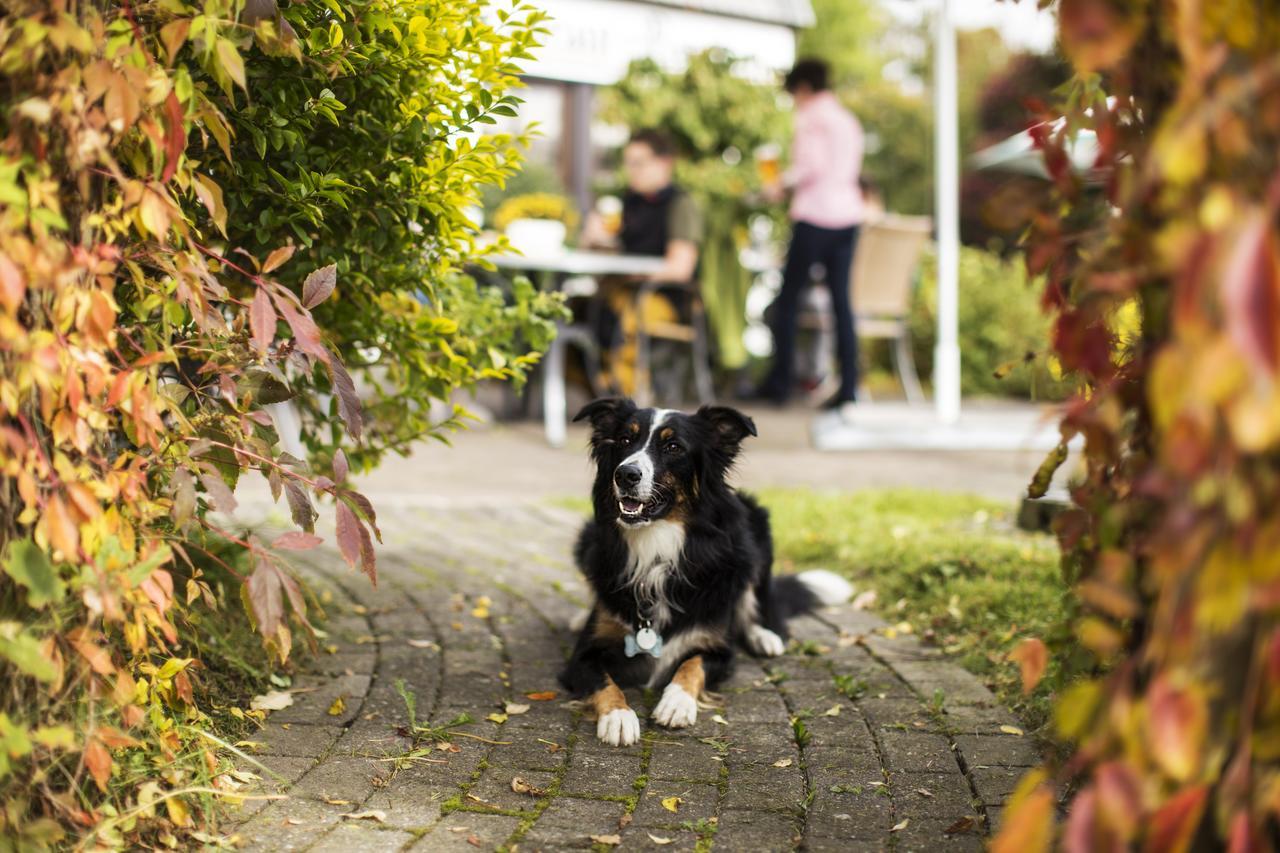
[551, 266]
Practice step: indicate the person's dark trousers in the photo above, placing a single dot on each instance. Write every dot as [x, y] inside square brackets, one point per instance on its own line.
[833, 248]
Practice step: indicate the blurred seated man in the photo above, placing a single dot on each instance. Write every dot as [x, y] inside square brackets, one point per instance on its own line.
[660, 219]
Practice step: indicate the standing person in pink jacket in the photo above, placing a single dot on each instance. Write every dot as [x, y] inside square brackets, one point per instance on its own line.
[826, 209]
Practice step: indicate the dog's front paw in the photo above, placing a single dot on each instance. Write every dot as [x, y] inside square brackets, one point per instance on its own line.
[764, 642]
[620, 727]
[676, 709]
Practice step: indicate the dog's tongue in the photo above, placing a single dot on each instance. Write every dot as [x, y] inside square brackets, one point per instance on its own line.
[631, 505]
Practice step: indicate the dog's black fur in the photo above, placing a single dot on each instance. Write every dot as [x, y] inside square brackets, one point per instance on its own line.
[726, 557]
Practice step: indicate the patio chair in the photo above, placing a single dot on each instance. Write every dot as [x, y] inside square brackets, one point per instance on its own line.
[694, 333]
[884, 264]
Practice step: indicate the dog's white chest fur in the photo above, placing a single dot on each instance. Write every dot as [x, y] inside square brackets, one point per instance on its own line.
[654, 556]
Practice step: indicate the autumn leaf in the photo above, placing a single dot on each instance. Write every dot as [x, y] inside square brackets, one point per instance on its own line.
[672, 804]
[340, 468]
[265, 597]
[278, 258]
[349, 408]
[210, 195]
[318, 285]
[296, 540]
[1175, 730]
[176, 138]
[1032, 657]
[348, 533]
[274, 700]
[1027, 826]
[495, 717]
[542, 696]
[300, 508]
[337, 707]
[377, 815]
[262, 321]
[231, 61]
[607, 840]
[98, 760]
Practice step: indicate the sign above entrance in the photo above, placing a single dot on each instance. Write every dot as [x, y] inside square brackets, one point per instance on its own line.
[593, 41]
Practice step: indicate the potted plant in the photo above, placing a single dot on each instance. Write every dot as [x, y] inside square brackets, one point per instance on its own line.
[536, 223]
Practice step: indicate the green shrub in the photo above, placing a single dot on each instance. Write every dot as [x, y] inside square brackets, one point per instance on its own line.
[1003, 330]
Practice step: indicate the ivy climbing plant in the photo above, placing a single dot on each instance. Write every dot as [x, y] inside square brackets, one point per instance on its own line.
[206, 209]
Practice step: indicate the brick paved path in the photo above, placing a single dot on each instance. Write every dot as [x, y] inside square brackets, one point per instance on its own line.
[853, 740]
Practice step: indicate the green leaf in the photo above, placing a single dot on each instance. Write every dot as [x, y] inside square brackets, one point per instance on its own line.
[29, 566]
[23, 651]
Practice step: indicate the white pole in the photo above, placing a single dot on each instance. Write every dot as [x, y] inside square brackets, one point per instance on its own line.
[946, 355]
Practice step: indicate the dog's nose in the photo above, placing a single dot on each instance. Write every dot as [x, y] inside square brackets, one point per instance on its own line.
[627, 476]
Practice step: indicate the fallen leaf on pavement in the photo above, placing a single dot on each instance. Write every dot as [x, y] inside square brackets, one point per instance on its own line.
[864, 600]
[964, 824]
[520, 786]
[658, 839]
[625, 821]
[495, 717]
[275, 700]
[1011, 730]
[473, 798]
[672, 804]
[924, 792]
[474, 841]
[339, 705]
[552, 746]
[901, 825]
[611, 840]
[423, 644]
[514, 709]
[833, 711]
[337, 802]
[372, 814]
[716, 718]
[782, 762]
[543, 696]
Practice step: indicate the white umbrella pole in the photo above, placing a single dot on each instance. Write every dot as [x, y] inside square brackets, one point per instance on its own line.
[946, 356]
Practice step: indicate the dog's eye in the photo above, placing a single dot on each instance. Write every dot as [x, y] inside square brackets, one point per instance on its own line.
[673, 448]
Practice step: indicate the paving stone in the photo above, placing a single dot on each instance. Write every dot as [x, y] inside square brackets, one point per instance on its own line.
[588, 817]
[997, 751]
[294, 740]
[352, 835]
[495, 788]
[996, 784]
[917, 752]
[315, 706]
[931, 835]
[697, 802]
[903, 714]
[688, 760]
[940, 796]
[410, 804]
[756, 831]
[342, 779]
[456, 832]
[596, 775]
[659, 838]
[294, 824]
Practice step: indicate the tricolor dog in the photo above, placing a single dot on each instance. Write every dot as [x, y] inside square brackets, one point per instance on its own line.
[680, 564]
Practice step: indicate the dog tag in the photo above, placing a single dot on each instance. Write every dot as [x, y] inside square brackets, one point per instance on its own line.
[646, 639]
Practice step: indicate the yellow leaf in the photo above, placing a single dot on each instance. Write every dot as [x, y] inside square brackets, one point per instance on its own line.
[1011, 730]
[210, 195]
[609, 840]
[495, 717]
[231, 61]
[782, 762]
[833, 711]
[672, 804]
[339, 705]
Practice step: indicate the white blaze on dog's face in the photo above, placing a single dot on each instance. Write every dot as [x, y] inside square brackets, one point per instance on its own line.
[633, 479]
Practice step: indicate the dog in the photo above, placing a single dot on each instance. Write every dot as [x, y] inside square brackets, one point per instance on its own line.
[679, 563]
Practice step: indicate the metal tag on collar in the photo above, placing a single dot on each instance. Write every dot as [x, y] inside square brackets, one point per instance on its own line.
[646, 641]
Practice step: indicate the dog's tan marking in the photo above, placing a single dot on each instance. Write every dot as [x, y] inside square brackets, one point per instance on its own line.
[609, 698]
[691, 676]
[608, 628]
[633, 427]
[666, 433]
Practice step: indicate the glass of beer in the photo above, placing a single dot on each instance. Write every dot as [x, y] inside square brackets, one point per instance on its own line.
[609, 208]
[769, 164]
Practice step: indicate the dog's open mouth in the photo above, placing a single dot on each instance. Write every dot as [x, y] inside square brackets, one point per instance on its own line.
[634, 510]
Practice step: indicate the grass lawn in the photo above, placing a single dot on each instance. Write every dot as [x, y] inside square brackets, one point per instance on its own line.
[953, 569]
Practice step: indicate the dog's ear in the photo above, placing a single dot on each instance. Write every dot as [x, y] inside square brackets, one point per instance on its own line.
[729, 426]
[607, 415]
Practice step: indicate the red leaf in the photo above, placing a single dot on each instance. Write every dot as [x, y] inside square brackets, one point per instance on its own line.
[1176, 728]
[262, 321]
[319, 284]
[1170, 829]
[296, 600]
[219, 493]
[368, 561]
[12, 284]
[340, 467]
[1119, 797]
[300, 508]
[264, 597]
[1251, 296]
[98, 760]
[1032, 657]
[305, 331]
[366, 509]
[176, 141]
[348, 528]
[296, 540]
[348, 401]
[1080, 831]
[1242, 839]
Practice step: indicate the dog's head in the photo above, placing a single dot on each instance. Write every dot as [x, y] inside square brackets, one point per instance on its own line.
[655, 463]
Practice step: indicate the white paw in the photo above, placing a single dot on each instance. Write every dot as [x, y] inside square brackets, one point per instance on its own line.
[676, 709]
[764, 642]
[619, 728]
